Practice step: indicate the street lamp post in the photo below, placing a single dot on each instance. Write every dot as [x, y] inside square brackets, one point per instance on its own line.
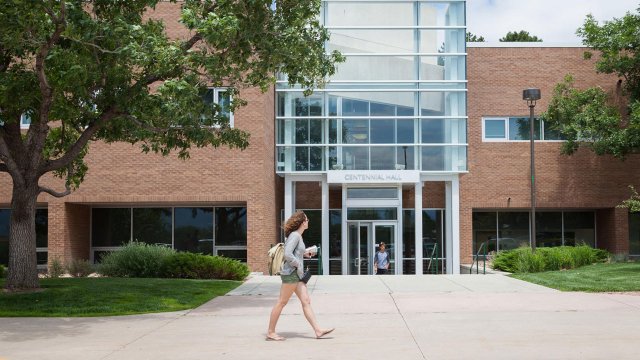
[531, 95]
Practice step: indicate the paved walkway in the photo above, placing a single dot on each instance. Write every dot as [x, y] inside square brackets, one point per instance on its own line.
[389, 317]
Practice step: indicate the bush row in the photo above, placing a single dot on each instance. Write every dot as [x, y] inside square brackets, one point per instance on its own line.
[3, 271]
[523, 260]
[76, 268]
[142, 260]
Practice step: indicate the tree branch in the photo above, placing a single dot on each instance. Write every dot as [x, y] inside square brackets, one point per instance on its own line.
[44, 189]
[8, 163]
[77, 147]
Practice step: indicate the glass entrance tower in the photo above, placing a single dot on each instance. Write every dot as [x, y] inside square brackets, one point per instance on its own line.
[392, 118]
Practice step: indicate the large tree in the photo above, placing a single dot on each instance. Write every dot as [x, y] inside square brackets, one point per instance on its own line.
[520, 36]
[606, 122]
[106, 70]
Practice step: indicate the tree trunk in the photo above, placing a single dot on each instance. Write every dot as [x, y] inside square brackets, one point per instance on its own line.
[23, 271]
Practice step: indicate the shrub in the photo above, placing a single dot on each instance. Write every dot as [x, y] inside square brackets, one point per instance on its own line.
[197, 266]
[56, 269]
[3, 271]
[523, 260]
[135, 259]
[80, 268]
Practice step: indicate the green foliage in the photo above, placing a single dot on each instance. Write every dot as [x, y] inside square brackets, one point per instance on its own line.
[523, 260]
[80, 268]
[3, 271]
[197, 266]
[519, 36]
[56, 269]
[135, 259]
[474, 38]
[633, 203]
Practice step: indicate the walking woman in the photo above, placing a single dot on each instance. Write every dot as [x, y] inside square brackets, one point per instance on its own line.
[292, 271]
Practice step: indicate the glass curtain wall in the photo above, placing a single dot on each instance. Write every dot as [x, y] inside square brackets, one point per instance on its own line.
[397, 102]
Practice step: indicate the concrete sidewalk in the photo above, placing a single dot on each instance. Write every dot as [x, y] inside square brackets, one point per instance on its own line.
[398, 317]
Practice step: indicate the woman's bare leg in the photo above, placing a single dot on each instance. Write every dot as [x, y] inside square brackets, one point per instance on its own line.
[286, 290]
[305, 300]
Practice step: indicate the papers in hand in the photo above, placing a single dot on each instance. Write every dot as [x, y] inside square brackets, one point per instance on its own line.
[312, 251]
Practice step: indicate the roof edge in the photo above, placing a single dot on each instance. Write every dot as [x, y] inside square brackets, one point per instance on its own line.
[523, 45]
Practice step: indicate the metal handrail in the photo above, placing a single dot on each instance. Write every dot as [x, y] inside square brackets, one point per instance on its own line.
[433, 256]
[483, 247]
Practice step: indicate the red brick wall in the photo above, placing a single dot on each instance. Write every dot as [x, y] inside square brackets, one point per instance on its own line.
[498, 175]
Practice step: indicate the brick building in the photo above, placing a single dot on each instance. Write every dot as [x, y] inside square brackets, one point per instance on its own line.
[418, 141]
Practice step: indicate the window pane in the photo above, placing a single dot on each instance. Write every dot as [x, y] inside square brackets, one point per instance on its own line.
[315, 106]
[579, 228]
[634, 233]
[383, 158]
[302, 131]
[433, 131]
[42, 257]
[152, 225]
[315, 159]
[355, 158]
[372, 214]
[335, 242]
[513, 230]
[519, 129]
[383, 131]
[194, 230]
[372, 193]
[377, 13]
[433, 158]
[302, 158]
[548, 229]
[352, 107]
[315, 131]
[494, 129]
[442, 14]
[551, 134]
[42, 228]
[231, 226]
[110, 226]
[301, 106]
[405, 131]
[433, 251]
[372, 40]
[405, 156]
[240, 255]
[355, 131]
[484, 230]
[224, 100]
[5, 218]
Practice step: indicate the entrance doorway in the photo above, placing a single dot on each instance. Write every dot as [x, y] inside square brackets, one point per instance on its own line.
[364, 237]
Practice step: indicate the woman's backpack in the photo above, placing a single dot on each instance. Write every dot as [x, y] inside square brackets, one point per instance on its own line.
[276, 259]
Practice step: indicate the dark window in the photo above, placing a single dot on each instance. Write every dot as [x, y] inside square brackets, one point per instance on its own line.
[579, 228]
[193, 230]
[110, 226]
[42, 228]
[5, 215]
[231, 226]
[548, 229]
[634, 234]
[152, 225]
[372, 214]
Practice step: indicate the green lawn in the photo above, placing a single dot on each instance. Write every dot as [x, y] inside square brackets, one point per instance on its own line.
[593, 278]
[112, 296]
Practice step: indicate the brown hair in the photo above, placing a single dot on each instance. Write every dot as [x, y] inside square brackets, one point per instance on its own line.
[294, 222]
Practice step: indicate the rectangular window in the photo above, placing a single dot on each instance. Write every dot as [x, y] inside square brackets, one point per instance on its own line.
[231, 226]
[515, 129]
[193, 230]
[634, 233]
[110, 226]
[220, 101]
[25, 121]
[372, 214]
[152, 225]
[42, 243]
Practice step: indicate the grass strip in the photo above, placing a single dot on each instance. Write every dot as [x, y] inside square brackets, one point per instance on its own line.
[601, 277]
[80, 297]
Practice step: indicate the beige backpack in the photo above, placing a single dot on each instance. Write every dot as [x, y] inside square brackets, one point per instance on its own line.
[276, 259]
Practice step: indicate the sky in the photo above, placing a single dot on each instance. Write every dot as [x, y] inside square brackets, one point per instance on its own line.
[554, 21]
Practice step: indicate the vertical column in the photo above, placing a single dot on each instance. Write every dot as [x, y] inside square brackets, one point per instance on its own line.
[325, 226]
[345, 230]
[289, 197]
[452, 221]
[289, 135]
[399, 256]
[418, 229]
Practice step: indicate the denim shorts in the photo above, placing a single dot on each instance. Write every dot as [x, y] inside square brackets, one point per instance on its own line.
[290, 279]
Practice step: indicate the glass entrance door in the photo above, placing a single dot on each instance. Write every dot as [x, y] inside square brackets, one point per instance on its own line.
[360, 241]
[385, 233]
[364, 239]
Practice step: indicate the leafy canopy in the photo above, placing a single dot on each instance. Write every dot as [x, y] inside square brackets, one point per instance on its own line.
[108, 70]
[519, 36]
[607, 123]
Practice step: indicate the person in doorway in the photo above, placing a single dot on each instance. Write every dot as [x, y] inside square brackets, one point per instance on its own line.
[381, 260]
[292, 271]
